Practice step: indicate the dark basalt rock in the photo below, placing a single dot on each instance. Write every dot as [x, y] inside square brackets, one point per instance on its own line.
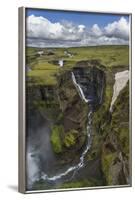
[92, 81]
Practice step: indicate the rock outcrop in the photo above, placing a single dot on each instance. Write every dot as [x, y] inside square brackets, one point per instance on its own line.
[115, 149]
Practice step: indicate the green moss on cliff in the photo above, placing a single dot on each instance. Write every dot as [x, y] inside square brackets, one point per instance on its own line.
[70, 138]
[108, 160]
[40, 104]
[100, 121]
[124, 139]
[56, 141]
[81, 183]
[41, 185]
[120, 119]
[115, 151]
[100, 117]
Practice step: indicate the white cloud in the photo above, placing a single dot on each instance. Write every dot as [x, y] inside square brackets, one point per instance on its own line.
[40, 27]
[96, 30]
[81, 28]
[43, 33]
[118, 29]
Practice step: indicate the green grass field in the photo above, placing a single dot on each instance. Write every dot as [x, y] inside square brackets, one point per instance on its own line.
[45, 68]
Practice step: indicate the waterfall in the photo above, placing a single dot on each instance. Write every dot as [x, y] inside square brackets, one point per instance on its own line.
[40, 53]
[81, 164]
[61, 63]
[79, 89]
[121, 79]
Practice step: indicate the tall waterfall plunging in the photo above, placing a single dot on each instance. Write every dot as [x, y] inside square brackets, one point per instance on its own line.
[79, 89]
[81, 163]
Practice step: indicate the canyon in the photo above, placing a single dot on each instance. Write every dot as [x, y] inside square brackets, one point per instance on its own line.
[71, 130]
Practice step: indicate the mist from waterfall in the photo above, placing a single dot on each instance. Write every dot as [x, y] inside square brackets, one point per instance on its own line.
[40, 156]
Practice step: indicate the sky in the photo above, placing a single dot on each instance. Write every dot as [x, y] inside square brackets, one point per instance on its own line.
[49, 28]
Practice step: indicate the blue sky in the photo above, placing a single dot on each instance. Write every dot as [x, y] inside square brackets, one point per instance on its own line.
[87, 19]
[51, 28]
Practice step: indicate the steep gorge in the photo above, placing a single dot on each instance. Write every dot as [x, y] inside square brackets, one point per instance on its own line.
[65, 118]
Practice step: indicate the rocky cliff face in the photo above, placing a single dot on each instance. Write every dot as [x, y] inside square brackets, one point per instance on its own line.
[115, 149]
[111, 135]
[62, 106]
[92, 81]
